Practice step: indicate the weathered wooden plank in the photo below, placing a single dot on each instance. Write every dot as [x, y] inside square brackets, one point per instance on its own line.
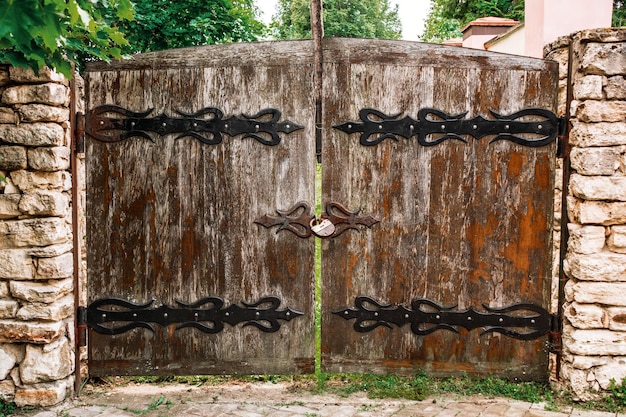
[420, 54]
[261, 54]
[173, 220]
[460, 223]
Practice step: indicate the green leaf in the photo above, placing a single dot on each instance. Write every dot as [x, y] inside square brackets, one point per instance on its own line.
[125, 9]
[118, 38]
[85, 18]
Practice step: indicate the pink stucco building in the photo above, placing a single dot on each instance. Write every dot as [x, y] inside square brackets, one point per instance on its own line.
[545, 21]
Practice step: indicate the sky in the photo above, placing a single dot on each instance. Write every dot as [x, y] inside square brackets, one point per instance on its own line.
[412, 14]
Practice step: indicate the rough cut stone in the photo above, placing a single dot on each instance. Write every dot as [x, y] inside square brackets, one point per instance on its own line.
[601, 111]
[617, 318]
[603, 266]
[586, 239]
[616, 88]
[604, 59]
[585, 316]
[4, 289]
[596, 212]
[43, 113]
[16, 264]
[8, 309]
[578, 385]
[598, 188]
[13, 331]
[33, 134]
[4, 75]
[41, 292]
[568, 290]
[44, 203]
[594, 161]
[27, 75]
[47, 363]
[7, 361]
[15, 374]
[7, 115]
[560, 55]
[573, 108]
[42, 395]
[597, 134]
[13, 158]
[49, 158]
[617, 239]
[59, 310]
[52, 250]
[9, 186]
[608, 293]
[562, 97]
[28, 180]
[614, 370]
[589, 87]
[588, 362]
[34, 232]
[602, 35]
[595, 342]
[7, 390]
[55, 267]
[9, 206]
[49, 93]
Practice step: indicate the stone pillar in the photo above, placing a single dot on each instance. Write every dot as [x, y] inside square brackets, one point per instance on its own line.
[594, 333]
[36, 258]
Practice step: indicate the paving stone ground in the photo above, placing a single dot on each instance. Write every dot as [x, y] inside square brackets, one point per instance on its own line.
[280, 400]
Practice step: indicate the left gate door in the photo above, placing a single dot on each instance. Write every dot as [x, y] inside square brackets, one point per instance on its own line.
[185, 150]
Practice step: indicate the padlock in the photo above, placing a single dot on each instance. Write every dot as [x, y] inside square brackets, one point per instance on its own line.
[323, 229]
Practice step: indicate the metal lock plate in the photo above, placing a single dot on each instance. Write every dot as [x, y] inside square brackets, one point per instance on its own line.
[323, 229]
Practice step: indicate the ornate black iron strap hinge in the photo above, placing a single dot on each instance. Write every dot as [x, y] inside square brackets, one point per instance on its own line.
[300, 221]
[434, 126]
[110, 123]
[426, 316]
[263, 315]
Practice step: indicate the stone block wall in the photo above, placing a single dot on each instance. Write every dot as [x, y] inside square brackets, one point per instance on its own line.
[36, 257]
[594, 327]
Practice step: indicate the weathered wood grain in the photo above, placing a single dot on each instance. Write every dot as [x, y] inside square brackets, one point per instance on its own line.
[460, 224]
[173, 220]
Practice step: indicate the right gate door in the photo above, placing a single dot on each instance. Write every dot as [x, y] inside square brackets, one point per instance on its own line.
[447, 150]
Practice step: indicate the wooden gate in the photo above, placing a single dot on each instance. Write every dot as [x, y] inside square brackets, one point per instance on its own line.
[438, 171]
[170, 215]
[464, 220]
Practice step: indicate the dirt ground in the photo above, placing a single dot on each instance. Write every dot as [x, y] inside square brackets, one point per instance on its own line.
[241, 398]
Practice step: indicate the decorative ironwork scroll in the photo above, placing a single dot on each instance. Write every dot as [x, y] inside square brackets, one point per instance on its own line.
[110, 123]
[263, 314]
[426, 316]
[298, 220]
[344, 219]
[376, 126]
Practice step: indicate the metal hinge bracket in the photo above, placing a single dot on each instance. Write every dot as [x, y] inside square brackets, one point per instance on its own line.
[81, 326]
[79, 133]
[562, 137]
[555, 335]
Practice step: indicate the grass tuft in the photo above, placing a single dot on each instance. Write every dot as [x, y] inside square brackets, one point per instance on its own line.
[6, 408]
